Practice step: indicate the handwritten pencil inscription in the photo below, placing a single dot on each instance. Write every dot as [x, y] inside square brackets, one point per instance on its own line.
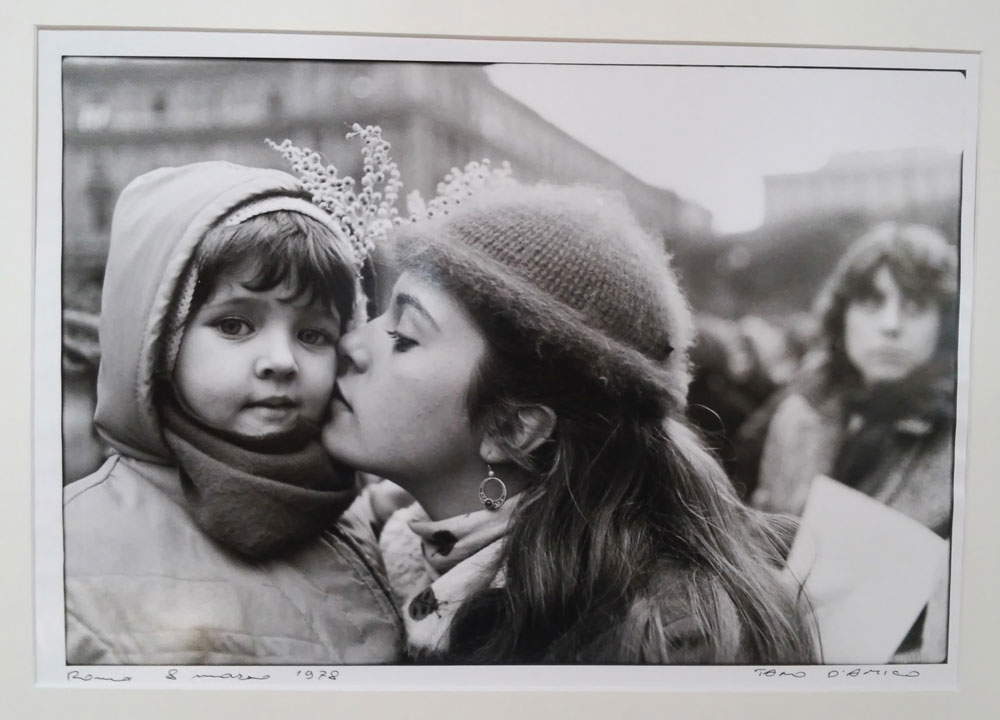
[89, 677]
[834, 673]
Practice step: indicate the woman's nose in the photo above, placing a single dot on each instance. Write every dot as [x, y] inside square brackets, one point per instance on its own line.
[354, 355]
[890, 317]
[276, 359]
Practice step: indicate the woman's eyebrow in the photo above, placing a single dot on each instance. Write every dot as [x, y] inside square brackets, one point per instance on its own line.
[405, 300]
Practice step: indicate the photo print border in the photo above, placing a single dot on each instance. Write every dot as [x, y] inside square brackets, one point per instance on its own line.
[52, 670]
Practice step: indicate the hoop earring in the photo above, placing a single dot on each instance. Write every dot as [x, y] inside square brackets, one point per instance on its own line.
[492, 503]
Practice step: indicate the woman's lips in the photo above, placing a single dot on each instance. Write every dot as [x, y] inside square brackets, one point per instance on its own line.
[891, 355]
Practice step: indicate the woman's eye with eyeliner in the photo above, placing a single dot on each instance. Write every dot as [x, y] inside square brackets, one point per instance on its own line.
[234, 327]
[401, 343]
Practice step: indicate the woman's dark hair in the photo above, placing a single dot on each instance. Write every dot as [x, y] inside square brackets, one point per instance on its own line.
[924, 265]
[631, 526]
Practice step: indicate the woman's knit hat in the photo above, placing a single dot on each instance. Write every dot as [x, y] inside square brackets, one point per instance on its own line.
[570, 266]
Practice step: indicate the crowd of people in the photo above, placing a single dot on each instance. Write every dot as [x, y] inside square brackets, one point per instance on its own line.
[490, 432]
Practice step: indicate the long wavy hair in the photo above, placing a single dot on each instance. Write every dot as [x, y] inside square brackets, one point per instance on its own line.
[631, 527]
[924, 265]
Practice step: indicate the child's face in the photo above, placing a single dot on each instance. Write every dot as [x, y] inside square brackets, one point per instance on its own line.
[255, 363]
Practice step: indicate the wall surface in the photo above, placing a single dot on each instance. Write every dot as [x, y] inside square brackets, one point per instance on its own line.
[972, 25]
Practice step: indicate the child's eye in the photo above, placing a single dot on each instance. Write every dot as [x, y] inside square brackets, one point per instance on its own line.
[401, 343]
[234, 327]
[311, 336]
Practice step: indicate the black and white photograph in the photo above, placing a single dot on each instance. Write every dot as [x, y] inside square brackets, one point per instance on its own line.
[360, 359]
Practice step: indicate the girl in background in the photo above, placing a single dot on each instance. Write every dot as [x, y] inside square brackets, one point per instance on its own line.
[875, 408]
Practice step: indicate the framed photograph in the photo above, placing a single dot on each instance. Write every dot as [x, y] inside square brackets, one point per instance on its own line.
[724, 292]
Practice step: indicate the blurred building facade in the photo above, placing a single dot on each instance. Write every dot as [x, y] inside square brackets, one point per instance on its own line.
[901, 184]
[811, 218]
[125, 117]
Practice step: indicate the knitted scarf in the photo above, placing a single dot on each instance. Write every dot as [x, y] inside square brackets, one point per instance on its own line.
[898, 414]
[435, 566]
[256, 496]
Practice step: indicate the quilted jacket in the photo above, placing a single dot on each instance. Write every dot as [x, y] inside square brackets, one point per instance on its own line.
[143, 585]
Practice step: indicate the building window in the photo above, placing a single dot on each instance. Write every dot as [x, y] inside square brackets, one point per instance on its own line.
[100, 196]
[275, 104]
[159, 105]
[362, 87]
[94, 114]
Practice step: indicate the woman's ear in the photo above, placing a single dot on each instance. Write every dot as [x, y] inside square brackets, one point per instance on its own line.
[522, 432]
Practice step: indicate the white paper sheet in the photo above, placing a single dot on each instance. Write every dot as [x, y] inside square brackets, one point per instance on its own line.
[868, 570]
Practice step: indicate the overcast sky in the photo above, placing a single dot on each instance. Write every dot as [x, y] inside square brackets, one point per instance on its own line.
[712, 134]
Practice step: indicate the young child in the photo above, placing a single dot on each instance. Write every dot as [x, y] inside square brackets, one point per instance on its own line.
[217, 531]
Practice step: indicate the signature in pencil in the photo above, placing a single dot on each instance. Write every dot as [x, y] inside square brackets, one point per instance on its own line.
[88, 677]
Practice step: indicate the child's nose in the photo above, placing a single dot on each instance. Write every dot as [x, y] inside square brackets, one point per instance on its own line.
[276, 360]
[354, 356]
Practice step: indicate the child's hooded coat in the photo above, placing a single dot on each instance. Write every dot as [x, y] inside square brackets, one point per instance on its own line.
[144, 584]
